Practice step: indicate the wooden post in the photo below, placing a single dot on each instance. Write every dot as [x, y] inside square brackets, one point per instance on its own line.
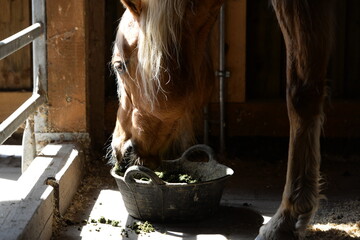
[96, 72]
[236, 55]
[67, 65]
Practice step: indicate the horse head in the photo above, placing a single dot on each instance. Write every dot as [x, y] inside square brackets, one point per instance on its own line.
[164, 76]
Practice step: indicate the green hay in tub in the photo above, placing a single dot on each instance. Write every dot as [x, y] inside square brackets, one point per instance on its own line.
[176, 177]
[119, 169]
[170, 177]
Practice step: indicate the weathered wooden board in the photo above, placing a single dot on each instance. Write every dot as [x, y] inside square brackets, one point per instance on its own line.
[259, 118]
[15, 70]
[67, 65]
[10, 101]
[27, 207]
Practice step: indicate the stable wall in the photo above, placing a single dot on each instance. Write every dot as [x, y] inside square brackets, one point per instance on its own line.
[82, 90]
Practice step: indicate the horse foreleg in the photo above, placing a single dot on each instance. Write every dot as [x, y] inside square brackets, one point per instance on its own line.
[301, 192]
[306, 27]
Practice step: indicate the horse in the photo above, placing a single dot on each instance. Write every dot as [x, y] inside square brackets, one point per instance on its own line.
[165, 76]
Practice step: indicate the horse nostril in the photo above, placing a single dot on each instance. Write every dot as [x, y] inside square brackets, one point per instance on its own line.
[129, 152]
[128, 149]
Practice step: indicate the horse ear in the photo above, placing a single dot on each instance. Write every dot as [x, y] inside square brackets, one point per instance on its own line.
[134, 6]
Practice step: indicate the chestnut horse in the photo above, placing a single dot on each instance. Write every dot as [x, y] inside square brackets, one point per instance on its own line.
[165, 77]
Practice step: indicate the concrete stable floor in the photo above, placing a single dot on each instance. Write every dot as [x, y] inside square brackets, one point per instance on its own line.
[10, 168]
[250, 198]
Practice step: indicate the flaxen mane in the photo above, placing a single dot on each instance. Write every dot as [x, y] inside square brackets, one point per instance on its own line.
[159, 39]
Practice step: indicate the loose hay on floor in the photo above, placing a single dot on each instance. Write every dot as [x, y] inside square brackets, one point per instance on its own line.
[336, 221]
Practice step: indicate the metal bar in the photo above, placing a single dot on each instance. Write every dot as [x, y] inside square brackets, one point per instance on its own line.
[20, 39]
[14, 121]
[222, 77]
[40, 62]
[36, 33]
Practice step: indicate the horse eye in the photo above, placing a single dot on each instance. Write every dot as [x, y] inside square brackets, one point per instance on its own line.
[120, 67]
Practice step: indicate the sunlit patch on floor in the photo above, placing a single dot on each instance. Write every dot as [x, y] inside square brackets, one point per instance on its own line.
[333, 231]
[266, 219]
[336, 221]
[352, 229]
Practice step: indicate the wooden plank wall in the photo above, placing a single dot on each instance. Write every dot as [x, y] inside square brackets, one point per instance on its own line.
[10, 101]
[15, 70]
[76, 67]
[80, 33]
[248, 96]
[344, 69]
[265, 73]
[67, 63]
[265, 77]
[263, 113]
[256, 59]
[235, 56]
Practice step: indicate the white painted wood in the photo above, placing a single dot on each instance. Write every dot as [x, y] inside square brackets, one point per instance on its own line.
[27, 213]
[28, 144]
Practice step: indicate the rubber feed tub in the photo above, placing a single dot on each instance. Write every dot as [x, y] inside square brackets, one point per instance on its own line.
[160, 201]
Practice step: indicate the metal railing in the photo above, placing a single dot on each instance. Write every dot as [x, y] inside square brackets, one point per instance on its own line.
[35, 34]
